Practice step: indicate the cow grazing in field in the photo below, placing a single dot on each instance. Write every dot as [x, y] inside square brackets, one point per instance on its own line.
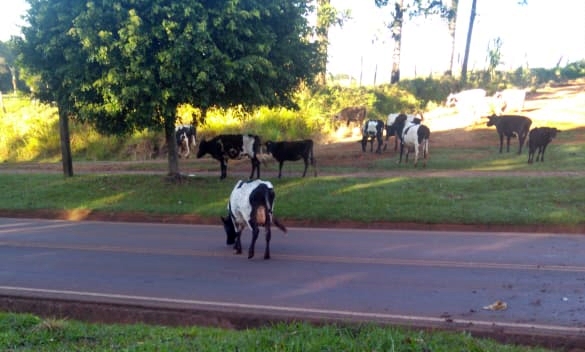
[292, 151]
[510, 126]
[538, 139]
[251, 205]
[185, 136]
[232, 146]
[355, 114]
[509, 100]
[372, 130]
[394, 120]
[415, 137]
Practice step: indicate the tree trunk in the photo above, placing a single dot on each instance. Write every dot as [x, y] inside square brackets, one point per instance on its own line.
[65, 142]
[397, 36]
[468, 43]
[452, 29]
[323, 23]
[173, 157]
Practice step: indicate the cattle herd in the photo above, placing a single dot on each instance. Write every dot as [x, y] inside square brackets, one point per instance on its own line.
[251, 203]
[408, 130]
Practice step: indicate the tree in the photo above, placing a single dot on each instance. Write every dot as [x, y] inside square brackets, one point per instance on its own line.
[468, 42]
[395, 27]
[327, 16]
[49, 53]
[153, 56]
[8, 77]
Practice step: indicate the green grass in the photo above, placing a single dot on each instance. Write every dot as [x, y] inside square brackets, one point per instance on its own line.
[466, 200]
[23, 332]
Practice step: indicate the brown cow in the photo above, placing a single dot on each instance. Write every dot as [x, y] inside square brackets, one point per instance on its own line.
[355, 114]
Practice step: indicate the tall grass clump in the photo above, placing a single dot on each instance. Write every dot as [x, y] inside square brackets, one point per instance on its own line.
[28, 131]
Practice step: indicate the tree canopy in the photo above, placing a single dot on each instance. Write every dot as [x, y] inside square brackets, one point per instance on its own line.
[133, 62]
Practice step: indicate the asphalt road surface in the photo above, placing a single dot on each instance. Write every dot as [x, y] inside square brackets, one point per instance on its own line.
[412, 277]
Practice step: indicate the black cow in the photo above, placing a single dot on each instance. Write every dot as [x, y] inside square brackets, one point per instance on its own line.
[186, 139]
[538, 139]
[373, 129]
[510, 126]
[251, 205]
[292, 151]
[232, 146]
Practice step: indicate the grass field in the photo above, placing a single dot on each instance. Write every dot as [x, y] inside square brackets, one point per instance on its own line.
[30, 333]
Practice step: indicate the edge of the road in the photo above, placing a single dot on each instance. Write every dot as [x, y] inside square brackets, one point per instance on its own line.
[96, 215]
[104, 308]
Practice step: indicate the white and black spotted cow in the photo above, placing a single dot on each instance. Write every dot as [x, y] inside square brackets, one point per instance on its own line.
[413, 136]
[251, 205]
[186, 139]
[232, 146]
[395, 119]
[373, 129]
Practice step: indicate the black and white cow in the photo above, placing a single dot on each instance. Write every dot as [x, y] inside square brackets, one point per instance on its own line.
[251, 205]
[510, 126]
[396, 119]
[292, 151]
[373, 129]
[538, 139]
[413, 136]
[232, 146]
[186, 139]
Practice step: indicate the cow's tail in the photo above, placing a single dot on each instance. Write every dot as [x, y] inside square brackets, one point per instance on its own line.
[271, 217]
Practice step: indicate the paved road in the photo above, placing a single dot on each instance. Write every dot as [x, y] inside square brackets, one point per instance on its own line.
[417, 277]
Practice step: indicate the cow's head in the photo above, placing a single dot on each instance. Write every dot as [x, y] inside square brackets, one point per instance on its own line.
[493, 120]
[451, 100]
[269, 147]
[203, 148]
[230, 229]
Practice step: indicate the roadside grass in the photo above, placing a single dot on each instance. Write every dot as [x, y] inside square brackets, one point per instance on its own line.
[25, 332]
[506, 200]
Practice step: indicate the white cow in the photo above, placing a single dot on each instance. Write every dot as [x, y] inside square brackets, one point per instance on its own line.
[509, 100]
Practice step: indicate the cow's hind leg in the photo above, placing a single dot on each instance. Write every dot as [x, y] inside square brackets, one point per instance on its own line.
[255, 231]
[238, 244]
[306, 160]
[223, 167]
[255, 167]
[268, 236]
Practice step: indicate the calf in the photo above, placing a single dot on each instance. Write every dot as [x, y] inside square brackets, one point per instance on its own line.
[232, 146]
[538, 139]
[510, 126]
[373, 129]
[350, 114]
[292, 151]
[395, 120]
[413, 136]
[186, 139]
[251, 205]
